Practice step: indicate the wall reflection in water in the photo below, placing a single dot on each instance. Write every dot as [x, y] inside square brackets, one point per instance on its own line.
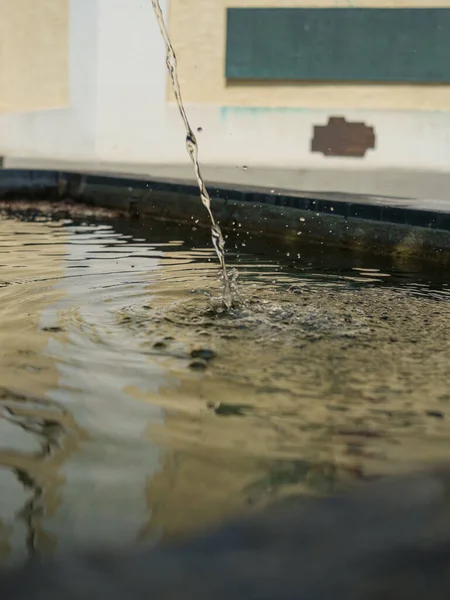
[74, 457]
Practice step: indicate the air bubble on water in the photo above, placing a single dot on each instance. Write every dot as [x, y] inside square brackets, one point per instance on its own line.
[299, 233]
[288, 253]
[302, 219]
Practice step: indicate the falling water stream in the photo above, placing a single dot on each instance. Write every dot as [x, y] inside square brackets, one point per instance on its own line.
[192, 149]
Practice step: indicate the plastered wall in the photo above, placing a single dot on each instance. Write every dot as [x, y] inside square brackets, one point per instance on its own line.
[198, 29]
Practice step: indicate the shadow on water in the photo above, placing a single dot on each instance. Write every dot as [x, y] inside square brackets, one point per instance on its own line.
[132, 407]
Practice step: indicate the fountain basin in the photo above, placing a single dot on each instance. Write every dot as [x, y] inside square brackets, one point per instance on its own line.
[128, 396]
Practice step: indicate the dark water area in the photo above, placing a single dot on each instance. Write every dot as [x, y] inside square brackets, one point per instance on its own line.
[132, 407]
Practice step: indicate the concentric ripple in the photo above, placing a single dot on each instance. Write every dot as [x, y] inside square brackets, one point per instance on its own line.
[133, 406]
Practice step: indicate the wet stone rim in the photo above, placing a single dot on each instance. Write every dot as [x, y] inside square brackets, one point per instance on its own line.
[374, 224]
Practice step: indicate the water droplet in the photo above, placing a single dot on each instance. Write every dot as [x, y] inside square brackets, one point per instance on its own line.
[288, 253]
[245, 168]
[299, 233]
[199, 129]
[302, 219]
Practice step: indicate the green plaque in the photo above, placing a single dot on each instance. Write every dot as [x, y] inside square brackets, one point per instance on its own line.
[339, 44]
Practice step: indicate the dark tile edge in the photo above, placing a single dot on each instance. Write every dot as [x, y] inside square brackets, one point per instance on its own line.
[366, 223]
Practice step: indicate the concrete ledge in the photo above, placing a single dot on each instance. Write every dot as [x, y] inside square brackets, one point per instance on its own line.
[370, 224]
[364, 180]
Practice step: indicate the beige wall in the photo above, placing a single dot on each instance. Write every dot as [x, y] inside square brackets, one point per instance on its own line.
[24, 345]
[34, 72]
[198, 29]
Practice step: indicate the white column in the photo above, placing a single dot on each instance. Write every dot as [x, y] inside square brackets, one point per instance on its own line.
[134, 123]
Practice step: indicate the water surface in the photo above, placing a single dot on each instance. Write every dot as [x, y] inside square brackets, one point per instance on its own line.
[132, 407]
